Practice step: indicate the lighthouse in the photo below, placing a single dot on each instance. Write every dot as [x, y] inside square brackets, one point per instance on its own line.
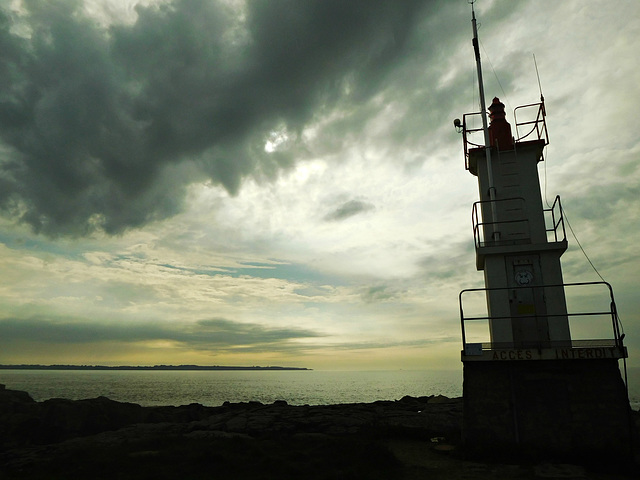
[534, 381]
[518, 253]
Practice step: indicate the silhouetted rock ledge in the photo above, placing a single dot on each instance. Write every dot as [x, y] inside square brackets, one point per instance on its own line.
[411, 438]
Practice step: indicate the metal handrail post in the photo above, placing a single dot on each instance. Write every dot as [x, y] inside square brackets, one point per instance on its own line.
[464, 338]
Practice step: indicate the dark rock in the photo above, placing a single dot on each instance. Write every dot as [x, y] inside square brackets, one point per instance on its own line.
[25, 421]
[111, 439]
[12, 399]
[61, 419]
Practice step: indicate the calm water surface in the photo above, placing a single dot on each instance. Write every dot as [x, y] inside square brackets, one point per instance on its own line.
[212, 388]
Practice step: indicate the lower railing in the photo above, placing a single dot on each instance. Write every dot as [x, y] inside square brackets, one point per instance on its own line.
[602, 315]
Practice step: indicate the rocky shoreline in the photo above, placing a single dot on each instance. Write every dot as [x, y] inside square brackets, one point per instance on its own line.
[410, 438]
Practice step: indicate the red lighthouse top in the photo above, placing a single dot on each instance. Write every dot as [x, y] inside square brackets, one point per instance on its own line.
[499, 129]
[531, 128]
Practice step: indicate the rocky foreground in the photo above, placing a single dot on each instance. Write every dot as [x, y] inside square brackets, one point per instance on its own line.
[411, 438]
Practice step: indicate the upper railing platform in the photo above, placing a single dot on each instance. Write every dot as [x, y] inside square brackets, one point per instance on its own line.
[531, 126]
[535, 118]
[515, 231]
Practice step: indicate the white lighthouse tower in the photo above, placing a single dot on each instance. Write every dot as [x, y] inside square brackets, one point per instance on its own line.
[516, 250]
[528, 384]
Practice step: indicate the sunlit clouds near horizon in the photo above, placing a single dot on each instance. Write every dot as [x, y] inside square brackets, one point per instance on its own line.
[279, 182]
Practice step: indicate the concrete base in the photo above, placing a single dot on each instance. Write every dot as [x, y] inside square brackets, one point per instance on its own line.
[554, 408]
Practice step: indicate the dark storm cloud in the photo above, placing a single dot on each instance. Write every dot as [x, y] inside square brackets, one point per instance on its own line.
[105, 128]
[349, 209]
[223, 332]
[215, 334]
[47, 330]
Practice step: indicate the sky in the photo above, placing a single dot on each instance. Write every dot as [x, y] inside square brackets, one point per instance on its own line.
[279, 182]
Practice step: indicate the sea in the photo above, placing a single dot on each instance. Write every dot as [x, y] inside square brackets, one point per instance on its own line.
[213, 388]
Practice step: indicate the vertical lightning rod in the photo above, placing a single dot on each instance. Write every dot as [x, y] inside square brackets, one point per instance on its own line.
[485, 128]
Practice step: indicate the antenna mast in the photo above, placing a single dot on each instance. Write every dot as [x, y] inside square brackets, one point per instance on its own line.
[538, 76]
[485, 128]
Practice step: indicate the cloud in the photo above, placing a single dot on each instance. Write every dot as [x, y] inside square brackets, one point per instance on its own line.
[388, 344]
[380, 293]
[47, 330]
[349, 209]
[104, 128]
[217, 334]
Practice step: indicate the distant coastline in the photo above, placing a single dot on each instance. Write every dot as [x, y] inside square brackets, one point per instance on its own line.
[144, 367]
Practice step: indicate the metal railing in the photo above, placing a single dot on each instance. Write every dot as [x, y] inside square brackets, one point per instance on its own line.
[557, 220]
[492, 233]
[537, 125]
[516, 230]
[614, 341]
[466, 132]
